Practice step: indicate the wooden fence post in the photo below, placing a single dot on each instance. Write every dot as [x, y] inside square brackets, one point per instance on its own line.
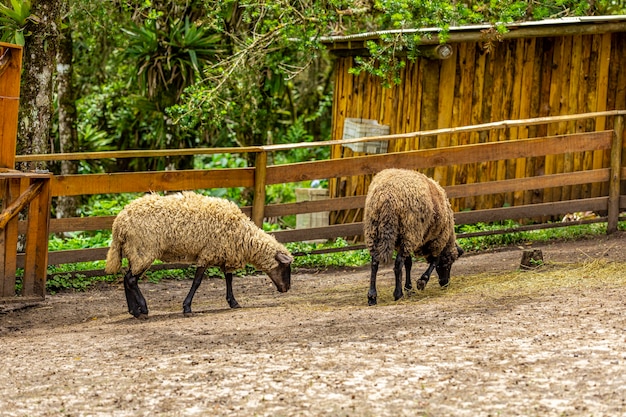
[258, 202]
[10, 69]
[614, 181]
[8, 240]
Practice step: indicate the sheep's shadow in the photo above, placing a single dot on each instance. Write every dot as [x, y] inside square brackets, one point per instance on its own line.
[161, 316]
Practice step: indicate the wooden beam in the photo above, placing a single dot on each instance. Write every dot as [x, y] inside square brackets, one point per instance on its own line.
[11, 62]
[615, 181]
[463, 154]
[36, 250]
[531, 211]
[260, 175]
[528, 183]
[8, 241]
[128, 182]
[21, 202]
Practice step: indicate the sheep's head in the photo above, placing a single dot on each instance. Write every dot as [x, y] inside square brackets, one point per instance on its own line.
[446, 259]
[281, 274]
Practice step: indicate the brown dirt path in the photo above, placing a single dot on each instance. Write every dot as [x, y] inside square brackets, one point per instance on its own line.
[557, 348]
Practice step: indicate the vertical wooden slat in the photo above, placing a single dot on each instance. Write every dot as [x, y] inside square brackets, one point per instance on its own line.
[456, 172]
[4, 282]
[417, 108]
[587, 99]
[555, 104]
[596, 96]
[36, 250]
[525, 98]
[30, 249]
[466, 64]
[564, 81]
[574, 106]
[43, 227]
[605, 64]
[444, 112]
[9, 104]
[9, 238]
[406, 121]
[517, 166]
[260, 176]
[485, 101]
[614, 182]
[342, 96]
[430, 99]
[510, 107]
[618, 65]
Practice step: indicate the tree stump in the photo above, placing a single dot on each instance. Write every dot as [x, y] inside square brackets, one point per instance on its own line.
[531, 258]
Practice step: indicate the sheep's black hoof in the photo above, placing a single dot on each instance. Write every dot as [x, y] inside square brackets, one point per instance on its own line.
[187, 313]
[371, 301]
[396, 297]
[420, 284]
[234, 305]
[139, 314]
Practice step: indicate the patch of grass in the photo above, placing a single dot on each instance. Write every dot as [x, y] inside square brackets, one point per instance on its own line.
[549, 277]
[479, 243]
[351, 258]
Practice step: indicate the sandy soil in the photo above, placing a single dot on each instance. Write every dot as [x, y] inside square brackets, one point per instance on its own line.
[557, 349]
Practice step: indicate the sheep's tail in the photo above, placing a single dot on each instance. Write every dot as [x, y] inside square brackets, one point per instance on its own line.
[114, 255]
[381, 235]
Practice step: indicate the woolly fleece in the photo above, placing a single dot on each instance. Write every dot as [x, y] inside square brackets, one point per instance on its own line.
[407, 211]
[189, 228]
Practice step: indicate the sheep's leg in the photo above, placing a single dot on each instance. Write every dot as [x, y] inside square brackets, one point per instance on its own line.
[408, 264]
[197, 280]
[229, 291]
[136, 302]
[371, 294]
[421, 283]
[397, 270]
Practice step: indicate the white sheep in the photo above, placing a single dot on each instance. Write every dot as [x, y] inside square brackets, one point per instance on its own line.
[409, 212]
[191, 228]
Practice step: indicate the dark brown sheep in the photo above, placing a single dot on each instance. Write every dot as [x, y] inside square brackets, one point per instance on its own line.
[410, 213]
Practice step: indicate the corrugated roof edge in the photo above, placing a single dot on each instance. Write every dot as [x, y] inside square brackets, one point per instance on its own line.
[477, 28]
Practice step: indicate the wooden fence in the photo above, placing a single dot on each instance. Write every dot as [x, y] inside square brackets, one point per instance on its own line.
[262, 174]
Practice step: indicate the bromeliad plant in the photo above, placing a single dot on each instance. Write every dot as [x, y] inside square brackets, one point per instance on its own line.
[14, 21]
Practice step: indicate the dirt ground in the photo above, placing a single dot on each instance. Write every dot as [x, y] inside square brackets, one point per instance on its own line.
[490, 345]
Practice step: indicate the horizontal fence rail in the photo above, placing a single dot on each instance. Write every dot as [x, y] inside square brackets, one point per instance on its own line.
[262, 175]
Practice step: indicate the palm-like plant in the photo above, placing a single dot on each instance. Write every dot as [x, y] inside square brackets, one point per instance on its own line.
[167, 60]
[168, 53]
[13, 21]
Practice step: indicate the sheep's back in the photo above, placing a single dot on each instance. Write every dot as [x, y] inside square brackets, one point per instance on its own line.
[413, 204]
[183, 227]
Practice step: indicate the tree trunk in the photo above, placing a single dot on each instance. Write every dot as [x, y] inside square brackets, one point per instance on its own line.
[35, 117]
[68, 142]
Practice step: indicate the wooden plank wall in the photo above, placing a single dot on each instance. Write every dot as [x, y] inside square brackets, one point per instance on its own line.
[516, 79]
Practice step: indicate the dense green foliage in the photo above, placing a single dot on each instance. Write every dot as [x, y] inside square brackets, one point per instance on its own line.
[154, 74]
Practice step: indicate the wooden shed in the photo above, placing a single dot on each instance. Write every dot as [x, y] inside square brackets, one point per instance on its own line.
[536, 69]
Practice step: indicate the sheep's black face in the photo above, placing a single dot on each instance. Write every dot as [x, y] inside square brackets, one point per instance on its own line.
[444, 266]
[281, 275]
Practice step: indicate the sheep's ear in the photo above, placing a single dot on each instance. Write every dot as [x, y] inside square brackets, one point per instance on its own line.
[283, 258]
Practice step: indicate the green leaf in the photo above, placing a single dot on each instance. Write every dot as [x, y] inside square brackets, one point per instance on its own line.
[19, 38]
